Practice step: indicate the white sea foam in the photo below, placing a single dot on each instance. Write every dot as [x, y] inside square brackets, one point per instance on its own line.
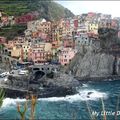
[82, 95]
[10, 102]
[84, 85]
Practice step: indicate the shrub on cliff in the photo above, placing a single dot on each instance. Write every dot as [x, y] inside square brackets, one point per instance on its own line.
[108, 37]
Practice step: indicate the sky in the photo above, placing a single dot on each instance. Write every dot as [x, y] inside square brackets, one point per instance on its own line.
[79, 7]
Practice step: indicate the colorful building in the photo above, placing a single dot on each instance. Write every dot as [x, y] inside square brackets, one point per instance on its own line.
[68, 42]
[25, 50]
[16, 52]
[40, 52]
[2, 40]
[39, 56]
[82, 39]
[114, 24]
[93, 28]
[66, 55]
[119, 34]
[44, 27]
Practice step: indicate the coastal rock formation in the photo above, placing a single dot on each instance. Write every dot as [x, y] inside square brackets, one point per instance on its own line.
[63, 80]
[95, 65]
[56, 85]
[101, 62]
[92, 64]
[61, 85]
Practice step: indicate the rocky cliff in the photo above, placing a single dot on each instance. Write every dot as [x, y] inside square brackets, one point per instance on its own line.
[101, 62]
[93, 64]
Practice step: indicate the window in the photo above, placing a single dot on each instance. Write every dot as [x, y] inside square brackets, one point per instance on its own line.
[48, 68]
[65, 60]
[35, 68]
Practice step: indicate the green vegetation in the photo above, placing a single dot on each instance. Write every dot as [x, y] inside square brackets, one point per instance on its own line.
[2, 95]
[108, 37]
[47, 9]
[11, 31]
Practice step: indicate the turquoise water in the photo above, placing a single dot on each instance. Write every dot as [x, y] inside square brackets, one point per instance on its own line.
[71, 107]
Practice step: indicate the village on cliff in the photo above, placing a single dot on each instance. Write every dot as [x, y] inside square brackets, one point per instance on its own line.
[54, 42]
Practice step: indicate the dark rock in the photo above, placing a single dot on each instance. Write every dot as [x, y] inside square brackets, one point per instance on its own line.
[89, 93]
[60, 85]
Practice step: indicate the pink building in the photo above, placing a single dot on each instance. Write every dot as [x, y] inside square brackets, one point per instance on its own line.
[68, 43]
[10, 44]
[91, 14]
[38, 55]
[118, 34]
[5, 20]
[25, 18]
[2, 40]
[114, 24]
[66, 55]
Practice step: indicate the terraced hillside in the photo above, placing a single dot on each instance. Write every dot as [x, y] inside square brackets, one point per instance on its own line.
[46, 8]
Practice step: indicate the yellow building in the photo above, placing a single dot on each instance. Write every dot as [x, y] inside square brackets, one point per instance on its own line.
[93, 28]
[45, 27]
[26, 48]
[48, 47]
[16, 52]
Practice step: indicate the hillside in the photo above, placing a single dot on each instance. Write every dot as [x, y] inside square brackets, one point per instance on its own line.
[47, 9]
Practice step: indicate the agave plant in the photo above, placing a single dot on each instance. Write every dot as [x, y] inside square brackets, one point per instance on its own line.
[2, 95]
[33, 105]
[23, 112]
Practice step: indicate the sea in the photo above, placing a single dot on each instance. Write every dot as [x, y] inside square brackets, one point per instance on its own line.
[99, 100]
